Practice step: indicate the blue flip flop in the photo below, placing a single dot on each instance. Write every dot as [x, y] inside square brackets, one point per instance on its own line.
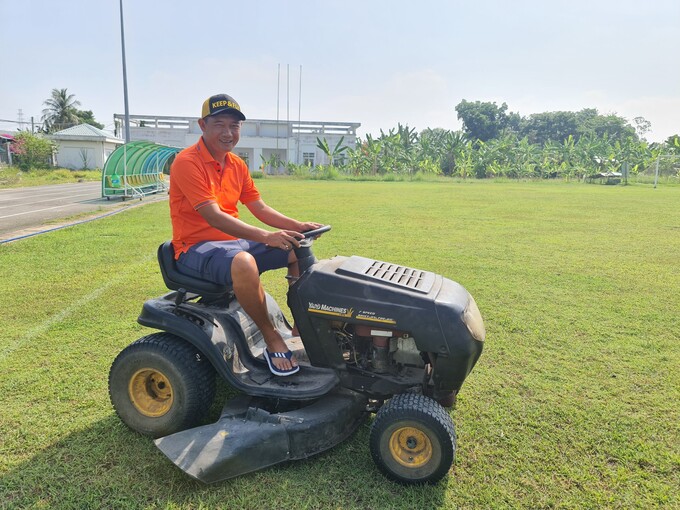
[277, 371]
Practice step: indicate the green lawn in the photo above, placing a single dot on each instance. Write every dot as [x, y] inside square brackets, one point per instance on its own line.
[13, 177]
[573, 404]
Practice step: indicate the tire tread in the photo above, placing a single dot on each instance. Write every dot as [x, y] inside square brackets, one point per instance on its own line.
[413, 406]
[201, 390]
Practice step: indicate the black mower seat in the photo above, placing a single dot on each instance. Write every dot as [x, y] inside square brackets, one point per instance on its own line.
[175, 280]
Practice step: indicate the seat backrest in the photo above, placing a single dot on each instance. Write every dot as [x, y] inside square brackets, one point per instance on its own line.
[175, 280]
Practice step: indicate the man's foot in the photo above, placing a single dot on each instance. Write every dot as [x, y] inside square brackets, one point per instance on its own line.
[276, 347]
[272, 357]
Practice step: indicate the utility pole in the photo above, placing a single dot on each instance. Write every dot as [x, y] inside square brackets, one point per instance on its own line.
[125, 90]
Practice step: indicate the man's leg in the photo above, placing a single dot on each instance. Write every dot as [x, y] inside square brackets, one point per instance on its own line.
[293, 272]
[250, 294]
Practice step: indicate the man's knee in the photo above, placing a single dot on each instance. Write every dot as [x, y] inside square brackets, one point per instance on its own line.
[244, 266]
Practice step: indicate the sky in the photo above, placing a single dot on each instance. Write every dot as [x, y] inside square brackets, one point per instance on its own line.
[375, 62]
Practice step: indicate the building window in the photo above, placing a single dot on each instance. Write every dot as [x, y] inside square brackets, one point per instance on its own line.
[244, 157]
[308, 158]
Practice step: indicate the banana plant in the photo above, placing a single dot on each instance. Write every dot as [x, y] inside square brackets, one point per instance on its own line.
[331, 154]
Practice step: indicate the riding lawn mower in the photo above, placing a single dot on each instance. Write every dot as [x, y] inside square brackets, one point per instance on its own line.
[375, 337]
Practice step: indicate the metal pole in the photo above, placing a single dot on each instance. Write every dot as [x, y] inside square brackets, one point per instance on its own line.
[278, 95]
[287, 111]
[297, 156]
[125, 90]
[656, 174]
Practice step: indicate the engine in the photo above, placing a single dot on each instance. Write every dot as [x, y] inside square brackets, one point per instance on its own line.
[377, 350]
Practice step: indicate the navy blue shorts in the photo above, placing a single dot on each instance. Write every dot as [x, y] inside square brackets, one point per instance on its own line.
[211, 260]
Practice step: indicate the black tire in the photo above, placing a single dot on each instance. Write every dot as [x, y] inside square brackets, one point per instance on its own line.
[161, 384]
[413, 440]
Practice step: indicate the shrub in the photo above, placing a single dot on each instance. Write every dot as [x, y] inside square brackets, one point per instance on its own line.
[32, 151]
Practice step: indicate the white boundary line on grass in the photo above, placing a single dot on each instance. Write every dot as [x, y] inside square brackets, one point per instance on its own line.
[69, 310]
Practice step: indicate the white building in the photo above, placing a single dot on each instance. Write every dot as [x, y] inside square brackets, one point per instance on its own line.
[263, 142]
[84, 146]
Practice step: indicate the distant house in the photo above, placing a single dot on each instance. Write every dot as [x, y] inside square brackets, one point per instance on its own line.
[5, 155]
[266, 144]
[84, 146]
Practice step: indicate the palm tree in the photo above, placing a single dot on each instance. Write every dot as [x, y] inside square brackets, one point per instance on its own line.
[61, 111]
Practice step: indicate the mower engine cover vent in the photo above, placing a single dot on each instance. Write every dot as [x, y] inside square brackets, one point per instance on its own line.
[385, 272]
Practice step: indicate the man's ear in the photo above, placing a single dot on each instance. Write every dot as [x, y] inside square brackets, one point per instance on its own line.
[201, 124]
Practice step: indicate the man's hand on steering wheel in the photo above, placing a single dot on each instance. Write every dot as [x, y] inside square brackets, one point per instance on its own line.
[309, 225]
[283, 239]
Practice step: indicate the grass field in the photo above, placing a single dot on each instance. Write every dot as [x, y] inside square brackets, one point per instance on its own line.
[573, 404]
[13, 177]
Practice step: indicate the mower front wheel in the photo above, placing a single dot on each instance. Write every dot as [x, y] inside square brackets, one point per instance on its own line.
[413, 440]
[161, 384]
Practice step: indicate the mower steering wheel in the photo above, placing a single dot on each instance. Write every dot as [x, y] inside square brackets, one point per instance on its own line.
[311, 234]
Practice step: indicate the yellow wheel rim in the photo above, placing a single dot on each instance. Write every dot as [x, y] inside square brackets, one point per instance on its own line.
[410, 447]
[150, 392]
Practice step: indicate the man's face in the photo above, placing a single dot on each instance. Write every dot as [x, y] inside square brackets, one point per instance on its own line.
[221, 132]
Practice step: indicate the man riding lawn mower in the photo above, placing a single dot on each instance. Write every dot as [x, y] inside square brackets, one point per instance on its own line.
[373, 337]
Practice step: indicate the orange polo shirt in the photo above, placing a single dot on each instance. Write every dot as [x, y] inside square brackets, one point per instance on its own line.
[196, 180]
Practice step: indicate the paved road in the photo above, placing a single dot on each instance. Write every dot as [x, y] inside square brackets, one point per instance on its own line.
[33, 207]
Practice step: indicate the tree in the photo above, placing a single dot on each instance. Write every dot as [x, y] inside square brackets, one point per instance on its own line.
[672, 144]
[61, 111]
[483, 120]
[86, 117]
[447, 148]
[555, 126]
[364, 159]
[611, 126]
[642, 126]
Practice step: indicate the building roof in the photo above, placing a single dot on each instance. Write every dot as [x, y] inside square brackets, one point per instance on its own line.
[85, 132]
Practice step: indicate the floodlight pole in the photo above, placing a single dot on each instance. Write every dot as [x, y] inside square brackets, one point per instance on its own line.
[125, 91]
[288, 130]
[297, 156]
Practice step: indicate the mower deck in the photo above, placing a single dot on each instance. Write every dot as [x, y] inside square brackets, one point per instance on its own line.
[247, 437]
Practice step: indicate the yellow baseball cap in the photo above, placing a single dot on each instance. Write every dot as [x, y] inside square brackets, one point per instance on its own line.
[221, 103]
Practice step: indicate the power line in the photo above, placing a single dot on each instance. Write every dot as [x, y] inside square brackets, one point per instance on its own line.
[17, 121]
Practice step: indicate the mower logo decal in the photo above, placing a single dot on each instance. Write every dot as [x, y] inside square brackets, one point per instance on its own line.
[336, 311]
[371, 316]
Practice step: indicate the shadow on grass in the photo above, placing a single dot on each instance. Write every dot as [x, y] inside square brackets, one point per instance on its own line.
[105, 465]
[109, 466]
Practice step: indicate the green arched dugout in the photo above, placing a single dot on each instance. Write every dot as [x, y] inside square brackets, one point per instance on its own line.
[137, 169]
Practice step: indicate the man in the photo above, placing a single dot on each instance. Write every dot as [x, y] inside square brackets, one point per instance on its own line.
[211, 242]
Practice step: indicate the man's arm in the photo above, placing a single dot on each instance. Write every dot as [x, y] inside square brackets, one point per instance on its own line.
[220, 220]
[270, 216]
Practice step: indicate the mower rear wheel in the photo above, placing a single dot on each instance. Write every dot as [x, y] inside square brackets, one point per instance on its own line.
[161, 384]
[413, 440]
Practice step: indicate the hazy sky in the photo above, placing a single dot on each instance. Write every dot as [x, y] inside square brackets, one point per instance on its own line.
[374, 62]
